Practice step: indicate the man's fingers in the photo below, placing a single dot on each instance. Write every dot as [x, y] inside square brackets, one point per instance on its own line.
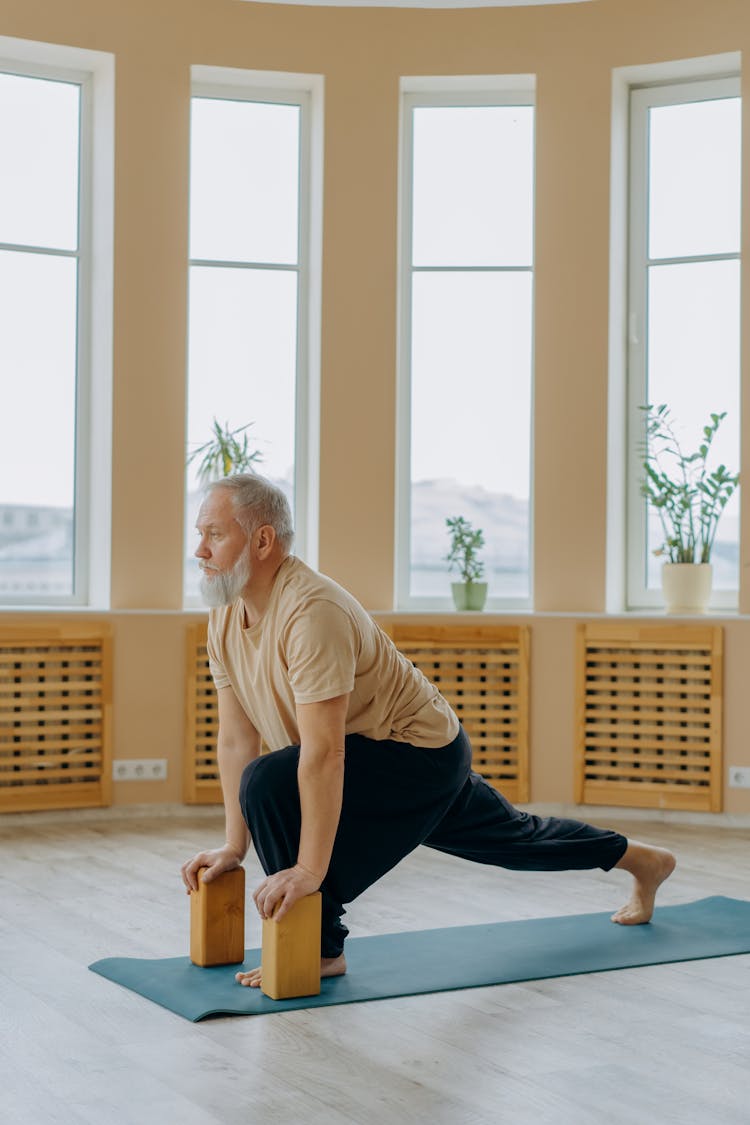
[187, 878]
[266, 899]
[283, 908]
[268, 904]
[276, 895]
[190, 872]
[193, 873]
[257, 899]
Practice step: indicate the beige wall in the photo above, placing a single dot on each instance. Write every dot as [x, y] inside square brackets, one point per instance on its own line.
[361, 54]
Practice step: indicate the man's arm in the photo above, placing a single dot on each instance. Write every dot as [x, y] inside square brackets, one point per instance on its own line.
[238, 744]
[321, 785]
[321, 780]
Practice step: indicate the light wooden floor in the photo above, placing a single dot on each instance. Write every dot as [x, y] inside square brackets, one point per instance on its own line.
[655, 1045]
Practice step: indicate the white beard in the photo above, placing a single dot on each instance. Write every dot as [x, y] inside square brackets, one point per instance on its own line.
[222, 589]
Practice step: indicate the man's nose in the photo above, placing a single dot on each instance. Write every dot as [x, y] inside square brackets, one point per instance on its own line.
[202, 551]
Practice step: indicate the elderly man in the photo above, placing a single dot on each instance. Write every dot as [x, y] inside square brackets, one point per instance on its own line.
[367, 759]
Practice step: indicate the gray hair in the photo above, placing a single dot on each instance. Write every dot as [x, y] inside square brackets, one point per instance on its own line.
[257, 502]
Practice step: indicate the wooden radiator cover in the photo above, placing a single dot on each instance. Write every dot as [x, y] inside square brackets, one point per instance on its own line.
[483, 672]
[55, 717]
[648, 716]
[201, 778]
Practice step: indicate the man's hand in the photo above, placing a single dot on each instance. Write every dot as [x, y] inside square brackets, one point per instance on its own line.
[217, 861]
[284, 888]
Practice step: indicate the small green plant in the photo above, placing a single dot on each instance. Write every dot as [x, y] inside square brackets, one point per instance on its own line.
[465, 545]
[224, 454]
[688, 498]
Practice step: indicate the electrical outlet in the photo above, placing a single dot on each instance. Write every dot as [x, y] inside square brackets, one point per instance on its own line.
[139, 769]
[739, 777]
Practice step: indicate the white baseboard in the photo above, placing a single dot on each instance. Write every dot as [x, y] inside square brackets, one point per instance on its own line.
[114, 813]
[594, 813]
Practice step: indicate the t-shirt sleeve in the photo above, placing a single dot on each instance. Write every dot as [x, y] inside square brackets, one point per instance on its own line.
[215, 663]
[321, 651]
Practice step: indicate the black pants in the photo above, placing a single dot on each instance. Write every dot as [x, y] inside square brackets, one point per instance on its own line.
[398, 796]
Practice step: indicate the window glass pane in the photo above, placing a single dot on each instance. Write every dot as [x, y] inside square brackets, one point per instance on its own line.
[694, 186]
[470, 441]
[473, 185]
[242, 366]
[694, 367]
[39, 125]
[244, 181]
[37, 423]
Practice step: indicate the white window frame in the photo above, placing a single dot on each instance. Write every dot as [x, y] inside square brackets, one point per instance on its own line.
[93, 71]
[306, 92]
[642, 99]
[419, 92]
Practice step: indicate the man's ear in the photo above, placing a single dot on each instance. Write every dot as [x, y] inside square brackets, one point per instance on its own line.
[265, 538]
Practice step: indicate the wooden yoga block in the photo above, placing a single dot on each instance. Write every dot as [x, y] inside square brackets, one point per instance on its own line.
[217, 920]
[290, 961]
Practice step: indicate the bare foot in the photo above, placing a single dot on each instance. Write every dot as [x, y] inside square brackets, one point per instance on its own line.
[329, 967]
[649, 867]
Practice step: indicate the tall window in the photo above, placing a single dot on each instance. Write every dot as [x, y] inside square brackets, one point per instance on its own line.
[684, 339]
[43, 358]
[249, 201]
[466, 331]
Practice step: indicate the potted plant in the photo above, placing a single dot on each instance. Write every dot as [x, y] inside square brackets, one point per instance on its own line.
[463, 556]
[224, 454]
[689, 499]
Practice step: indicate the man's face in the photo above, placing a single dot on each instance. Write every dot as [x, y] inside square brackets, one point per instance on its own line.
[223, 551]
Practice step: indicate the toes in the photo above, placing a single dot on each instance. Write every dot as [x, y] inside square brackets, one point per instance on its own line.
[631, 916]
[628, 913]
[249, 980]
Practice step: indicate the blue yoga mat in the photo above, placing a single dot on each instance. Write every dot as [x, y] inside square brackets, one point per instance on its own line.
[406, 964]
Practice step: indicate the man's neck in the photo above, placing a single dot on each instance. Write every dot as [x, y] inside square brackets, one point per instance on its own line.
[257, 593]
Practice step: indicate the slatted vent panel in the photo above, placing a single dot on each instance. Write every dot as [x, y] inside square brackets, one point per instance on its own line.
[649, 717]
[483, 673]
[55, 718]
[202, 786]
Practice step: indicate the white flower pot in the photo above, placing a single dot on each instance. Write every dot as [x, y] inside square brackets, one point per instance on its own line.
[686, 586]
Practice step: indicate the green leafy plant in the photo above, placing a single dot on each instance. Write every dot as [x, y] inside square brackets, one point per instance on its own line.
[688, 498]
[224, 454]
[465, 545]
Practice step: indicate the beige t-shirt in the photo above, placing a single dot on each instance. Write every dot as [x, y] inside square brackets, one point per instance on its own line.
[316, 642]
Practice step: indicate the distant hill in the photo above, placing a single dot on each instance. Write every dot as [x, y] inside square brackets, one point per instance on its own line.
[504, 520]
[32, 532]
[36, 541]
